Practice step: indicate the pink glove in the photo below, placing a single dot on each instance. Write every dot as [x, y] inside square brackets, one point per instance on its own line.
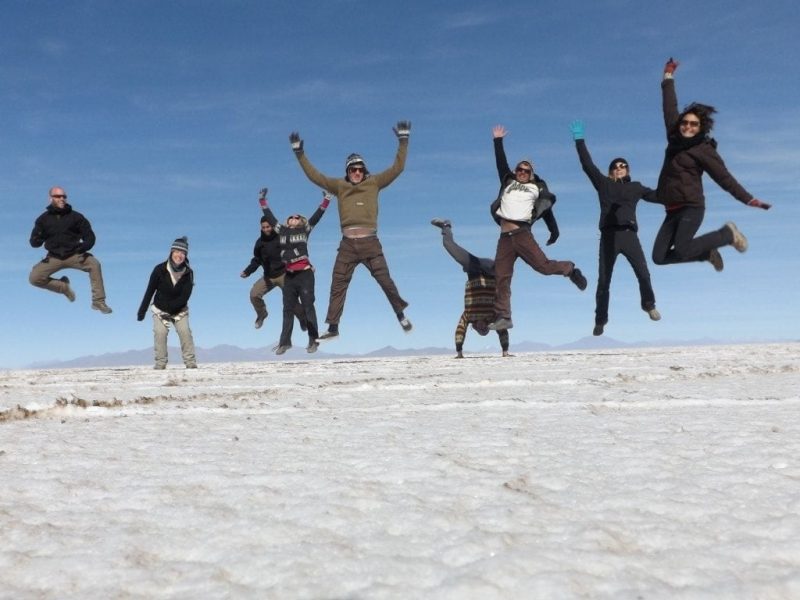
[670, 66]
[326, 200]
[756, 203]
[262, 197]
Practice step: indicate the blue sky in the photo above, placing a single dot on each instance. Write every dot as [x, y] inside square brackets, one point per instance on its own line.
[164, 119]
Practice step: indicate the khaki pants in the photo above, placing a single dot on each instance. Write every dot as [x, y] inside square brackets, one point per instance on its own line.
[261, 288]
[160, 331]
[42, 271]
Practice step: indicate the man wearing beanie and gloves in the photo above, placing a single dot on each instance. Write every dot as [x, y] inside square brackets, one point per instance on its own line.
[171, 282]
[267, 254]
[618, 197]
[67, 236]
[523, 199]
[357, 195]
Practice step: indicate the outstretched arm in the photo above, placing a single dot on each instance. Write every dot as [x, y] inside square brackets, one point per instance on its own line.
[669, 100]
[498, 133]
[402, 130]
[326, 200]
[330, 184]
[588, 166]
[262, 201]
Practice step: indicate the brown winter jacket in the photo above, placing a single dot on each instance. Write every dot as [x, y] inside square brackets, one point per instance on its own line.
[358, 204]
[686, 159]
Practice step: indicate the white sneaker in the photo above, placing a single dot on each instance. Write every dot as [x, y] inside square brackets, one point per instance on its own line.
[739, 241]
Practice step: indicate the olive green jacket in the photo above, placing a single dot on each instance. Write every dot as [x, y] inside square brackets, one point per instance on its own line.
[358, 204]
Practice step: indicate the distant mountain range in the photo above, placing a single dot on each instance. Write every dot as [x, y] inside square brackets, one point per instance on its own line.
[228, 353]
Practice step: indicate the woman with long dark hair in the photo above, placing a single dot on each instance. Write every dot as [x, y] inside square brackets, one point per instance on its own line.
[691, 151]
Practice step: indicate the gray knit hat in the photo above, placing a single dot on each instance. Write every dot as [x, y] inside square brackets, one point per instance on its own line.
[181, 244]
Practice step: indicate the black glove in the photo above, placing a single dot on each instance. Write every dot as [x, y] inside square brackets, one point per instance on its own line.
[402, 130]
[553, 238]
[140, 316]
[296, 142]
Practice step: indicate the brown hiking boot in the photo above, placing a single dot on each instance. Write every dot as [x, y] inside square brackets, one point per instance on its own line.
[68, 291]
[101, 306]
[715, 258]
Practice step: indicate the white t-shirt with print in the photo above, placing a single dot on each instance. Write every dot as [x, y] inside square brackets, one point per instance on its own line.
[516, 203]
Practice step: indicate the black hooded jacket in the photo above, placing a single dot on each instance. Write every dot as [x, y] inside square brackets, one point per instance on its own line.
[64, 232]
[618, 198]
[267, 254]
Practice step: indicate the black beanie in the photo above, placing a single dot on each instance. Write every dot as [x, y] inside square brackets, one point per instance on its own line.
[615, 161]
[264, 219]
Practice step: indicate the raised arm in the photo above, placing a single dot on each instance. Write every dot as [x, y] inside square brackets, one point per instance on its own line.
[669, 100]
[588, 166]
[262, 201]
[330, 184]
[326, 200]
[498, 133]
[402, 130]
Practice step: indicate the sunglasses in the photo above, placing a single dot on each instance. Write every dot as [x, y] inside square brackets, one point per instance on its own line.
[688, 123]
[58, 195]
[355, 170]
[523, 170]
[293, 217]
[620, 166]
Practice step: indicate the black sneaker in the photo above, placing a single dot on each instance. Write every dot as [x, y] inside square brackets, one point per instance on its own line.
[715, 258]
[501, 324]
[577, 278]
[598, 329]
[441, 223]
[406, 324]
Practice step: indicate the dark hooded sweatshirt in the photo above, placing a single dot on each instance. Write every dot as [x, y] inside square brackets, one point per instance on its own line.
[64, 232]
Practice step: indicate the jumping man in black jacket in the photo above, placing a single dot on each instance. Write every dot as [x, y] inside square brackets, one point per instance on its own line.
[67, 236]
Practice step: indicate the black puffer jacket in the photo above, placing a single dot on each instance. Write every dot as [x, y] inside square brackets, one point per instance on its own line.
[267, 254]
[64, 232]
[618, 198]
[686, 159]
[169, 298]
